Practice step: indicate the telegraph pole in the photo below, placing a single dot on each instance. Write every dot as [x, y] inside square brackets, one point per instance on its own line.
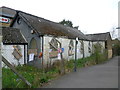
[75, 64]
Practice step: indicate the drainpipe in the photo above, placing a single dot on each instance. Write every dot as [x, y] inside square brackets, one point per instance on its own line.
[92, 48]
[83, 50]
[27, 55]
[62, 63]
[24, 54]
[75, 64]
[42, 51]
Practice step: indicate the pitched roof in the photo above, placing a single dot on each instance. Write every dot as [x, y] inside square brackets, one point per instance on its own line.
[12, 36]
[46, 27]
[5, 11]
[99, 36]
[43, 26]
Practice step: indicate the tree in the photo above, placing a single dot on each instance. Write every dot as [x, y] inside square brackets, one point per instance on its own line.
[116, 47]
[68, 23]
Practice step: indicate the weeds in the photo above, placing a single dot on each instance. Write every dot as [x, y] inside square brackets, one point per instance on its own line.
[37, 77]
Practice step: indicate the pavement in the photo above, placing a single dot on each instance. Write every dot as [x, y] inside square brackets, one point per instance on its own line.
[99, 76]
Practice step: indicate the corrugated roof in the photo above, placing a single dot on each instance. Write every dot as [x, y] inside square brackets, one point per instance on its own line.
[46, 27]
[98, 36]
[12, 35]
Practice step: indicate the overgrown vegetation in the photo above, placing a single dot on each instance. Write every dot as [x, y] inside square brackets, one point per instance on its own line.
[116, 50]
[38, 77]
[35, 76]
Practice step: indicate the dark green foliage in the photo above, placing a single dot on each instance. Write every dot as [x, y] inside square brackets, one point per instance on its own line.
[68, 23]
[69, 65]
[35, 76]
[100, 55]
[116, 49]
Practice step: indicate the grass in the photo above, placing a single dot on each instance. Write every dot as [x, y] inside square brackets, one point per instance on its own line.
[38, 77]
[35, 76]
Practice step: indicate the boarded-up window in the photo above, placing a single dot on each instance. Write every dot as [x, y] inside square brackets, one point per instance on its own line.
[71, 48]
[17, 52]
[54, 45]
[89, 47]
[106, 45]
[32, 51]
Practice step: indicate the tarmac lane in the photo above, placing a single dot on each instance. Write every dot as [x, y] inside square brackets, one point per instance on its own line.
[99, 76]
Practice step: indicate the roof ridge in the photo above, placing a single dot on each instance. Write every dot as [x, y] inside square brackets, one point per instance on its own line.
[8, 8]
[98, 33]
[50, 21]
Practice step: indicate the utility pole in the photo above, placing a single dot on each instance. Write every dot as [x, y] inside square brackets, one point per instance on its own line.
[0, 60]
[75, 64]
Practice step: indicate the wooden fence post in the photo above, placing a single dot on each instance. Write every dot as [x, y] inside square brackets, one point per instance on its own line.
[15, 71]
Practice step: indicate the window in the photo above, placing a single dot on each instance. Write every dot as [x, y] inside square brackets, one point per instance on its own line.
[105, 44]
[89, 47]
[17, 52]
[54, 45]
[19, 20]
[33, 47]
[33, 43]
[82, 47]
[71, 48]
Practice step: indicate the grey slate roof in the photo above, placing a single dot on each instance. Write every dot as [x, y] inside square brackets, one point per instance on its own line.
[12, 36]
[43, 26]
[99, 36]
[46, 27]
[5, 11]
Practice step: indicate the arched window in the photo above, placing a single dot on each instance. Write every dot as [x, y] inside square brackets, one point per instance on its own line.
[71, 48]
[54, 45]
[33, 44]
[33, 47]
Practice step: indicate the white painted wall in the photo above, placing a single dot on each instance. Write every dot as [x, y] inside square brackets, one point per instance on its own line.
[7, 51]
[65, 44]
[86, 52]
[79, 54]
[102, 44]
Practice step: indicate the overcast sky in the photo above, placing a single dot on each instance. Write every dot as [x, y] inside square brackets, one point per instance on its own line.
[92, 16]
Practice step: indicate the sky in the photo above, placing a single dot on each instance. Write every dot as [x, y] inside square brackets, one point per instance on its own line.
[92, 16]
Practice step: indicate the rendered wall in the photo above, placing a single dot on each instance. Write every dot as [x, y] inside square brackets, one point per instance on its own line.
[7, 51]
[65, 44]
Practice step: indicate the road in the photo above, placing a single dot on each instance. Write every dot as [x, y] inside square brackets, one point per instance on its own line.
[99, 76]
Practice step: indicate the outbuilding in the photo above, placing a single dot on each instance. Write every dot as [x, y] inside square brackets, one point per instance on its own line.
[14, 46]
[47, 39]
[104, 39]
